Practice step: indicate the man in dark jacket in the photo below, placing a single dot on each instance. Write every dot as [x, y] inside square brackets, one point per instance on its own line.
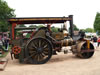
[94, 39]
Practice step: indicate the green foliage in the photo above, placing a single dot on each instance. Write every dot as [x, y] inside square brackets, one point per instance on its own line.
[5, 13]
[97, 23]
[75, 28]
[39, 26]
[28, 35]
[3, 26]
[36, 26]
[33, 26]
[22, 25]
[82, 30]
[54, 29]
[89, 30]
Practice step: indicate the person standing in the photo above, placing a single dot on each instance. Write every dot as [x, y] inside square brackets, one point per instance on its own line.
[94, 39]
[98, 41]
[1, 41]
[6, 42]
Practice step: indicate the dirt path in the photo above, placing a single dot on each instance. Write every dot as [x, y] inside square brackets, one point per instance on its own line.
[61, 64]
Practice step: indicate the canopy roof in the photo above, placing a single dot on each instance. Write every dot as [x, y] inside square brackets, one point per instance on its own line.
[39, 20]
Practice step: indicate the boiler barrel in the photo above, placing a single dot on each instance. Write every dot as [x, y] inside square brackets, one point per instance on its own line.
[66, 42]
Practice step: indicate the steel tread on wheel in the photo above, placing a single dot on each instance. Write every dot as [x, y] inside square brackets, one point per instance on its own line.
[39, 50]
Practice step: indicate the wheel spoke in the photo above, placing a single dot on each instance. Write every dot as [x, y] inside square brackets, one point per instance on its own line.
[41, 57]
[38, 58]
[32, 55]
[39, 43]
[45, 49]
[30, 48]
[35, 57]
[34, 45]
[45, 52]
[45, 46]
[32, 52]
[43, 43]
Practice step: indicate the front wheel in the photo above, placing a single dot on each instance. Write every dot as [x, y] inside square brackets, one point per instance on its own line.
[39, 50]
[85, 53]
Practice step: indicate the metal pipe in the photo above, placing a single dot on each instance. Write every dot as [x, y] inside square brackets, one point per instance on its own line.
[71, 26]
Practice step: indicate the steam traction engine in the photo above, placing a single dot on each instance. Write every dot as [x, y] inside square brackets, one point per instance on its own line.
[43, 43]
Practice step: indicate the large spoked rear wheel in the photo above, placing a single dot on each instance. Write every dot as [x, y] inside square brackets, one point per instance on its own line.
[87, 54]
[39, 50]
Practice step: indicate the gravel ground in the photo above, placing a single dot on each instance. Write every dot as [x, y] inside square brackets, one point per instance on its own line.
[61, 64]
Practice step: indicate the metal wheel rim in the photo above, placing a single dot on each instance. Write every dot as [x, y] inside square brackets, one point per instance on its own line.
[39, 49]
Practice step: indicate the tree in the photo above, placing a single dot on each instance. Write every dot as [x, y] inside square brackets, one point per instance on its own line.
[39, 26]
[5, 13]
[33, 26]
[36, 26]
[22, 25]
[82, 30]
[97, 23]
[54, 29]
[75, 28]
[89, 30]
